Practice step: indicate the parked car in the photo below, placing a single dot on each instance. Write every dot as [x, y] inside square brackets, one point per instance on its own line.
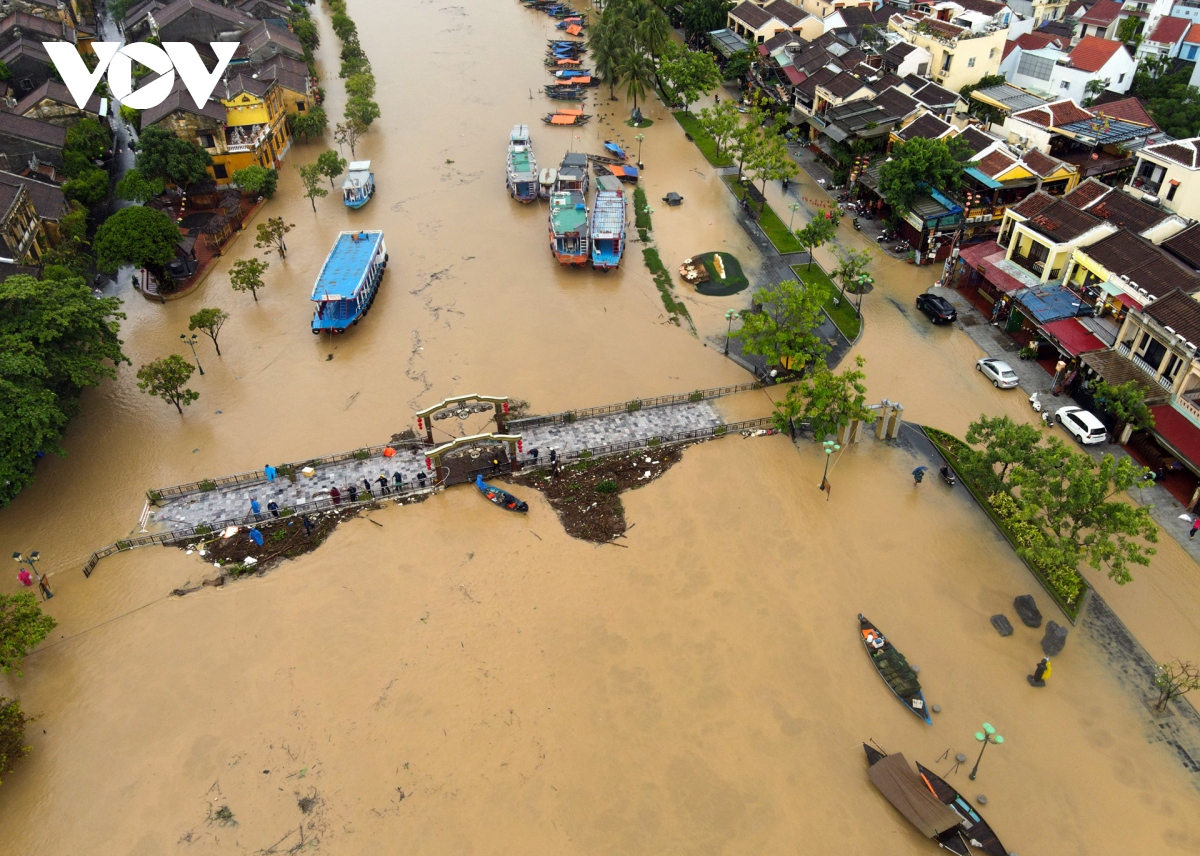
[1081, 425]
[937, 308]
[1000, 372]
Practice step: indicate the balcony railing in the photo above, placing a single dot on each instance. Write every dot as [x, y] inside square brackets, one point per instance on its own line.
[1187, 408]
[1145, 185]
[1035, 266]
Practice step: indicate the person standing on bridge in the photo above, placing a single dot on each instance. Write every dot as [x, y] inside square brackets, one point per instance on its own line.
[383, 484]
[353, 491]
[367, 485]
[255, 508]
[273, 507]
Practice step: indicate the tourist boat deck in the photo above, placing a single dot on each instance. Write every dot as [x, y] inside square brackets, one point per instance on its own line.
[359, 186]
[569, 227]
[348, 281]
[573, 172]
[608, 223]
[522, 166]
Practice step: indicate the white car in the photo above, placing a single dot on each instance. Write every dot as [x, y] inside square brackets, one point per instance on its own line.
[1081, 425]
[1000, 372]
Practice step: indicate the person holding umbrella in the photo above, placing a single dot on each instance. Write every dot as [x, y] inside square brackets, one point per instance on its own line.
[918, 474]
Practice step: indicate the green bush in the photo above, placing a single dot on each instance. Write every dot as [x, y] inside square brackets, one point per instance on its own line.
[361, 455]
[12, 733]
[208, 485]
[202, 529]
[641, 214]
[703, 140]
[653, 441]
[696, 396]
[633, 406]
[607, 486]
[586, 453]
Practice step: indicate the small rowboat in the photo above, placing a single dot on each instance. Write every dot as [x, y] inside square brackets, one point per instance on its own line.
[567, 73]
[973, 827]
[624, 173]
[499, 497]
[566, 93]
[566, 117]
[893, 668]
[910, 795]
[615, 150]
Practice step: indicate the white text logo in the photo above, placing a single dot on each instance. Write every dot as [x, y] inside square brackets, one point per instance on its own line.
[118, 62]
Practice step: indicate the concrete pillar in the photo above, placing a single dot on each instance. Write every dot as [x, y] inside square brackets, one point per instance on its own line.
[856, 430]
[897, 421]
[885, 413]
[1126, 433]
[843, 435]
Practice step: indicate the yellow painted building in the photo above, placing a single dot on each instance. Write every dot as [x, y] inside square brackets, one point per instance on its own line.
[256, 131]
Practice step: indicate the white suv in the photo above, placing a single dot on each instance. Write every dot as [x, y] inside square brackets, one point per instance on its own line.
[1081, 425]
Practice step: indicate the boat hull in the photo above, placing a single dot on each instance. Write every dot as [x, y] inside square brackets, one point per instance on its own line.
[501, 498]
[915, 701]
[359, 203]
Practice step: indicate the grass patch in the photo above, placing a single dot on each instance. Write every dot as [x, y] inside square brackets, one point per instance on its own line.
[842, 314]
[774, 228]
[703, 139]
[645, 123]
[733, 282]
[662, 279]
[641, 216]
[951, 448]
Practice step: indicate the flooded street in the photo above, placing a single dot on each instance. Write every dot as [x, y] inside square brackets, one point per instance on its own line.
[465, 681]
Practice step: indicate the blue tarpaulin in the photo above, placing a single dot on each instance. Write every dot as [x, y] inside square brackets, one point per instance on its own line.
[1053, 303]
[986, 181]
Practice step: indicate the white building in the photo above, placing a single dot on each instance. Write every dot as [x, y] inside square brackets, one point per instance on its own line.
[1060, 75]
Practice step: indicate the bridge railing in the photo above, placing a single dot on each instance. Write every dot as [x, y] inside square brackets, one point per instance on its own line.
[567, 416]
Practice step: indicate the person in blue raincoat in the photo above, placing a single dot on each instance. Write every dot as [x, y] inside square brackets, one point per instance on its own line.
[918, 474]
[256, 537]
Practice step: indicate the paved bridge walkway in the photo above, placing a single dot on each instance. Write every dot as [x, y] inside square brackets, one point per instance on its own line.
[568, 439]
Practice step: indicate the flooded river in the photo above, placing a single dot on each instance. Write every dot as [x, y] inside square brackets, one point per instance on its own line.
[461, 681]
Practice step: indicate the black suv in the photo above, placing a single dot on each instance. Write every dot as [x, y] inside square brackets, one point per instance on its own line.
[937, 308]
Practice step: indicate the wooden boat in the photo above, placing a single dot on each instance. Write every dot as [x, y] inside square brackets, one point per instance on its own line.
[359, 186]
[607, 234]
[563, 62]
[907, 791]
[499, 497]
[572, 173]
[622, 173]
[348, 281]
[604, 159]
[893, 668]
[973, 827]
[566, 117]
[566, 93]
[615, 150]
[568, 73]
[569, 227]
[522, 173]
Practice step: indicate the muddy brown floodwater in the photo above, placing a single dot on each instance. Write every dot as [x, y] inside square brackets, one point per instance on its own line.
[465, 681]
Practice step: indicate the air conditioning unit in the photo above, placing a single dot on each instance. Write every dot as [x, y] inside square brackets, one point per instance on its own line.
[1151, 198]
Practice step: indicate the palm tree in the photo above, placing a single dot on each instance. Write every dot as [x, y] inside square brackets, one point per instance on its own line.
[603, 41]
[636, 72]
[653, 30]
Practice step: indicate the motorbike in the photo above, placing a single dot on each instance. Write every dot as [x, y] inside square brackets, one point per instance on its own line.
[1035, 403]
[948, 476]
[857, 227]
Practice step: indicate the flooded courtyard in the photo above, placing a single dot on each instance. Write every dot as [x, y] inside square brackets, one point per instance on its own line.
[463, 681]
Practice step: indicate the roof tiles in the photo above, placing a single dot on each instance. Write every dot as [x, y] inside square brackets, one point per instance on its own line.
[1093, 52]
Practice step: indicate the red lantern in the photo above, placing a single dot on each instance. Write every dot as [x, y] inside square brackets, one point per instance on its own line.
[428, 464]
[520, 446]
[420, 424]
[506, 408]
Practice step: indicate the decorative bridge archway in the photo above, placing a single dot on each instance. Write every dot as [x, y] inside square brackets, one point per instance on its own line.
[462, 407]
[463, 458]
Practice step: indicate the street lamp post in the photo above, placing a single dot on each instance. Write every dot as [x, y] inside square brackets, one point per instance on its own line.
[988, 735]
[863, 281]
[793, 207]
[731, 315]
[830, 447]
[32, 560]
[191, 343]
[639, 138]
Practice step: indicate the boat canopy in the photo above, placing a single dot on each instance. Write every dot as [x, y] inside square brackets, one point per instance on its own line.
[912, 798]
[358, 174]
[346, 269]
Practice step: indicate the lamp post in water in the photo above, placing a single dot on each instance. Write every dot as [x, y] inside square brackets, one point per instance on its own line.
[731, 315]
[31, 560]
[864, 281]
[639, 138]
[793, 207]
[191, 343]
[830, 447]
[988, 735]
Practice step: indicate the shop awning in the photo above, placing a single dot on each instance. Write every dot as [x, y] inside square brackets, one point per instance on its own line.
[1115, 369]
[1073, 337]
[985, 180]
[835, 133]
[1000, 280]
[1178, 433]
[975, 254]
[1128, 301]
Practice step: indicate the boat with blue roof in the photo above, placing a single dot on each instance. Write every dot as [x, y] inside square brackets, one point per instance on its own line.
[359, 186]
[569, 227]
[349, 280]
[608, 223]
[522, 166]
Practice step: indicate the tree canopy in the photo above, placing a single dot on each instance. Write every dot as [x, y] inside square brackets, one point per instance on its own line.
[1171, 100]
[137, 236]
[167, 379]
[921, 164]
[257, 180]
[330, 164]
[246, 274]
[163, 155]
[785, 330]
[689, 74]
[209, 321]
[704, 16]
[56, 340]
[1126, 402]
[311, 123]
[139, 188]
[978, 108]
[23, 626]
[829, 402]
[821, 229]
[310, 177]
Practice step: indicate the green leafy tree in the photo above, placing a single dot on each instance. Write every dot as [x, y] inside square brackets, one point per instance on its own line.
[1093, 90]
[785, 330]
[137, 236]
[919, 164]
[138, 188]
[1005, 444]
[23, 626]
[360, 85]
[787, 411]
[163, 155]
[74, 251]
[12, 734]
[978, 108]
[348, 133]
[167, 379]
[606, 40]
[361, 110]
[304, 29]
[310, 177]
[354, 59]
[820, 230]
[1129, 32]
[689, 74]
[1126, 402]
[852, 266]
[257, 180]
[209, 321]
[770, 161]
[87, 142]
[246, 275]
[704, 16]
[132, 117]
[720, 122]
[330, 164]
[89, 187]
[832, 401]
[271, 236]
[746, 140]
[738, 65]
[343, 26]
[311, 123]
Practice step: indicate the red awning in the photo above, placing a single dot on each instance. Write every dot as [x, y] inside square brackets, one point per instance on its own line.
[1179, 433]
[974, 254]
[1073, 336]
[998, 278]
[794, 76]
[1128, 301]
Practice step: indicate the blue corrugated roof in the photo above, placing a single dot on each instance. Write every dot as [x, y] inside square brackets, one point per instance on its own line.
[1053, 303]
[985, 180]
[346, 268]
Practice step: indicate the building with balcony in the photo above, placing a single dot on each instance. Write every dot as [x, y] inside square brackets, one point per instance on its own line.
[1060, 74]
[1125, 271]
[1040, 234]
[1098, 144]
[1040, 11]
[1165, 39]
[1169, 174]
[961, 52]
[20, 227]
[1101, 21]
[256, 132]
